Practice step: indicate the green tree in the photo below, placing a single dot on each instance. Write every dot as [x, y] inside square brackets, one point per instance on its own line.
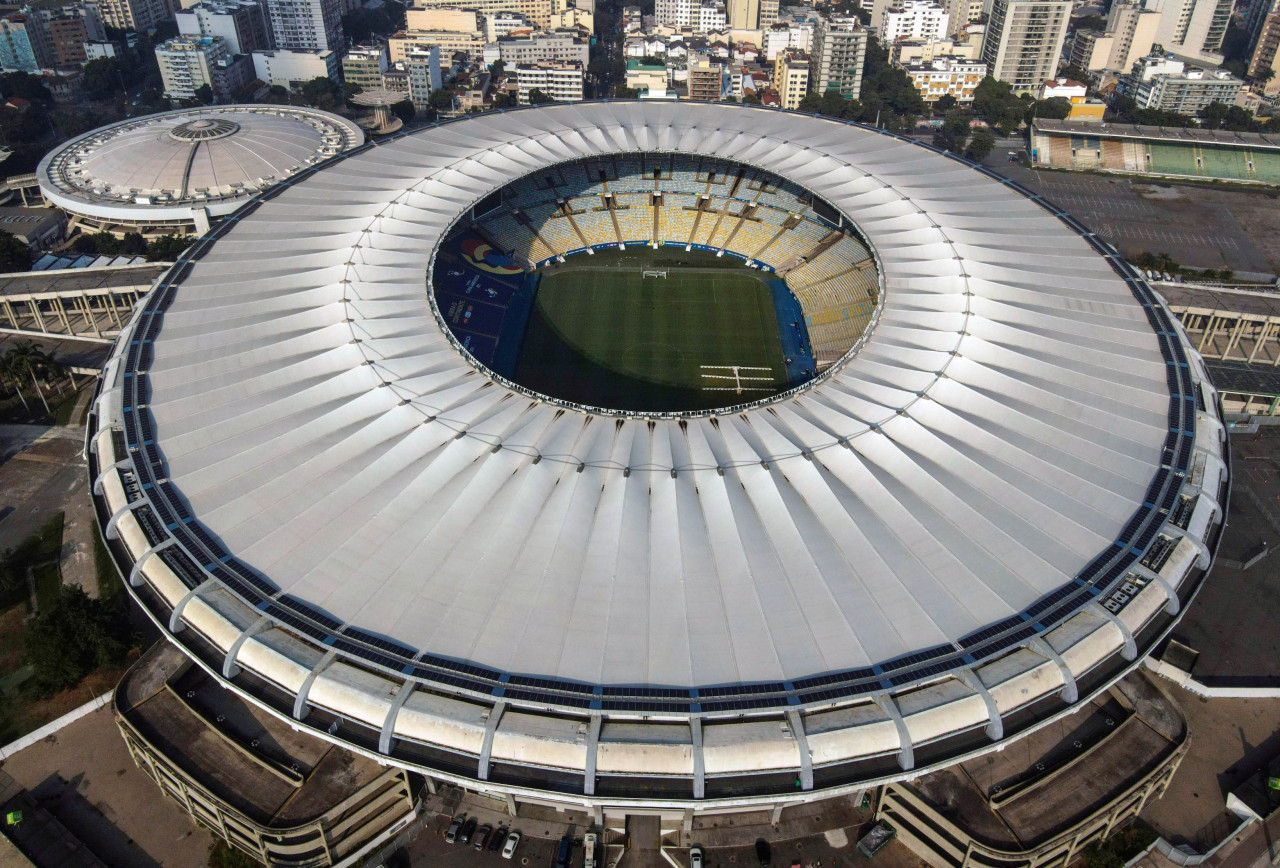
[404, 110]
[944, 103]
[167, 248]
[15, 255]
[441, 100]
[27, 363]
[25, 85]
[67, 642]
[1054, 108]
[204, 95]
[503, 100]
[320, 92]
[980, 144]
[996, 103]
[537, 97]
[102, 78]
[624, 92]
[954, 132]
[498, 70]
[223, 855]
[751, 98]
[133, 244]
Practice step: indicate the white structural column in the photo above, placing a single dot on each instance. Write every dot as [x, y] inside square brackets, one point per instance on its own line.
[111, 531]
[229, 667]
[127, 461]
[802, 745]
[1204, 558]
[300, 701]
[699, 762]
[486, 747]
[1130, 651]
[389, 723]
[1070, 690]
[995, 724]
[906, 754]
[175, 617]
[1172, 604]
[135, 574]
[593, 741]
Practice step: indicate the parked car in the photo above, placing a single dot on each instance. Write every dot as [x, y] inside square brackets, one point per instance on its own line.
[499, 838]
[764, 853]
[468, 829]
[695, 857]
[509, 849]
[451, 836]
[589, 850]
[482, 836]
[565, 852]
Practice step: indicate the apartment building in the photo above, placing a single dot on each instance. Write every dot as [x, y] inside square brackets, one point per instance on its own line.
[839, 53]
[1024, 39]
[560, 81]
[791, 77]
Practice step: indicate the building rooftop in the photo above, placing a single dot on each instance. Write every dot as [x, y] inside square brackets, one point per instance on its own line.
[1024, 796]
[1191, 135]
[208, 157]
[273, 774]
[80, 279]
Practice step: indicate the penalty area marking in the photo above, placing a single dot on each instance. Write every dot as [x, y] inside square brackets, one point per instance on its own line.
[735, 373]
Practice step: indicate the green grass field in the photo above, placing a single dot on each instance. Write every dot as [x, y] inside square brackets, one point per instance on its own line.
[602, 334]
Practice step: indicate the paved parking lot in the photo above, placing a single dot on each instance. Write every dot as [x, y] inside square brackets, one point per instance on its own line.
[1199, 227]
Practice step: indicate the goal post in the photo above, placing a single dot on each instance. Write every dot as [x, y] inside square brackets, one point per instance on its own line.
[657, 272]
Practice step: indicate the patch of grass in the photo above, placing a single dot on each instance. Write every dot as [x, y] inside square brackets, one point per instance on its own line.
[48, 581]
[603, 334]
[110, 587]
[11, 648]
[42, 546]
[62, 406]
[223, 855]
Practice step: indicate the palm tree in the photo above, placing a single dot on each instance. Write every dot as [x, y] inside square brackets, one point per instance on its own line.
[27, 359]
[6, 373]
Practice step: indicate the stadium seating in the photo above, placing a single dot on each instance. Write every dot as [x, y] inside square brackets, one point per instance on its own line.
[595, 223]
[836, 295]
[635, 216]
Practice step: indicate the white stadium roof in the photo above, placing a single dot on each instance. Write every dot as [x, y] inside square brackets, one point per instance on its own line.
[1000, 443]
[161, 166]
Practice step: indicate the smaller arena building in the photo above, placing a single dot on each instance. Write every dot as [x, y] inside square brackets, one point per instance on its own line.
[1251, 158]
[175, 172]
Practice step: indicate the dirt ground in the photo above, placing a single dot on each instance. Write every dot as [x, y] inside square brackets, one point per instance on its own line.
[85, 777]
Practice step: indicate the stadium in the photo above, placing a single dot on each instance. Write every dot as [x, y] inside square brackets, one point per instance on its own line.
[177, 172]
[342, 456]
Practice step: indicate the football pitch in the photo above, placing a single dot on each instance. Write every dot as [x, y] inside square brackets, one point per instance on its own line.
[603, 334]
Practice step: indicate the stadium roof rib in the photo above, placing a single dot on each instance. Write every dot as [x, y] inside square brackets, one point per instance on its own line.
[994, 460]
